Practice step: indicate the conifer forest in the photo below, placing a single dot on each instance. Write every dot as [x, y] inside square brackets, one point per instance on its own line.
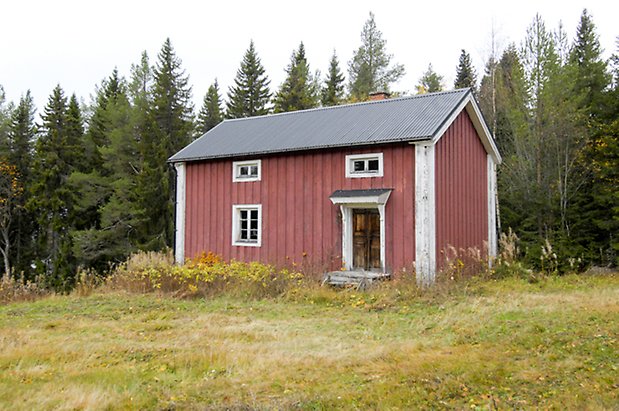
[84, 185]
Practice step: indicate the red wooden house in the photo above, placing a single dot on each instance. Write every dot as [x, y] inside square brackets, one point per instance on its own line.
[374, 186]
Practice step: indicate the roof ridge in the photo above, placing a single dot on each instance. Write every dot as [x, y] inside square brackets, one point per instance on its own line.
[361, 103]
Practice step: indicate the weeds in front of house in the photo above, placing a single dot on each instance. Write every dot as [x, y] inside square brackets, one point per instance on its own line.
[206, 275]
[13, 289]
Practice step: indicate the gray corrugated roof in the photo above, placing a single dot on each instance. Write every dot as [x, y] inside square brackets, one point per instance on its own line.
[400, 119]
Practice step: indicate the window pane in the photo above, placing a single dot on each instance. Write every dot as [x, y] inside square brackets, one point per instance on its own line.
[243, 224]
[254, 224]
[243, 214]
[254, 214]
[243, 234]
[254, 171]
[253, 235]
[373, 165]
[359, 165]
[243, 171]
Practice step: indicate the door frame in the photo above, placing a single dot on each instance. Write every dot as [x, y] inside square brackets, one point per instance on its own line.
[347, 232]
[348, 200]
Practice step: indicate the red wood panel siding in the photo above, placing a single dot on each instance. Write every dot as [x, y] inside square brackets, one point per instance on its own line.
[299, 222]
[461, 189]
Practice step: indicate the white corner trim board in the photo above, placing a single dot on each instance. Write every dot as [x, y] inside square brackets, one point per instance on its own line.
[492, 193]
[425, 214]
[181, 198]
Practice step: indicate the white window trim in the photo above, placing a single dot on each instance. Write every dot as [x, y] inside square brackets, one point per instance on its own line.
[237, 164]
[236, 226]
[352, 157]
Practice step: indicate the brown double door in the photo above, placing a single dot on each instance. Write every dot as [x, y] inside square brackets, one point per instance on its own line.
[366, 239]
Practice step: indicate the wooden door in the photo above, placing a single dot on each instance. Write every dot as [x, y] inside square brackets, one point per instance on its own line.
[366, 239]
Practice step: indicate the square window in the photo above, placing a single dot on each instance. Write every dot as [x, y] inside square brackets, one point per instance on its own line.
[246, 225]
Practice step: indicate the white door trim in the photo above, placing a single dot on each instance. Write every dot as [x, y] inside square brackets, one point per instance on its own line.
[362, 200]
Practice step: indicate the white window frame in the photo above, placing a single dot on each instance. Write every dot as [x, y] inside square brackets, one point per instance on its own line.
[236, 225]
[351, 158]
[236, 165]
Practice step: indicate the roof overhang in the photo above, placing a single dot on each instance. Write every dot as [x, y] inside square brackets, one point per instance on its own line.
[378, 196]
[469, 104]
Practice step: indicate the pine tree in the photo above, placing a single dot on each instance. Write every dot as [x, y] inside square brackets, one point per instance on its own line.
[430, 81]
[465, 72]
[250, 95]
[211, 113]
[370, 68]
[299, 90]
[333, 89]
[21, 140]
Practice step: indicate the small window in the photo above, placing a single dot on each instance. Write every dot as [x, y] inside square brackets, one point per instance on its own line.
[246, 225]
[246, 171]
[364, 165]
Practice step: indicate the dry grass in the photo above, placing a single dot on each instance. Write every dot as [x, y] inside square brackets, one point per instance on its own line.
[501, 344]
[14, 289]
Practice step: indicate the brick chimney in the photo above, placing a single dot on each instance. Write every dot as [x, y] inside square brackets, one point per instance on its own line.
[379, 95]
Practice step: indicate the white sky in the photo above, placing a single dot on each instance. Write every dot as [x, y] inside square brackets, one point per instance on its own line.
[78, 43]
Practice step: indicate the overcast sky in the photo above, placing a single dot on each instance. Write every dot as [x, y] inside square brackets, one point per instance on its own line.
[78, 43]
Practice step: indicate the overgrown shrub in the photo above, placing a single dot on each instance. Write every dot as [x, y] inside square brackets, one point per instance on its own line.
[18, 289]
[206, 275]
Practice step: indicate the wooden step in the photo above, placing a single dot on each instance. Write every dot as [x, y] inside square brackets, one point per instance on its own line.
[358, 279]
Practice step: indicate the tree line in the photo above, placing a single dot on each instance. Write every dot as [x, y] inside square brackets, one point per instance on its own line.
[87, 185]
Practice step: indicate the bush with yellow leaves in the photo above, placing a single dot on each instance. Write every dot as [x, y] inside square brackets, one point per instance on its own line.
[205, 275]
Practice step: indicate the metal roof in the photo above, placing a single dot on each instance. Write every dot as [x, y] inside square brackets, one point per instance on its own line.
[360, 193]
[411, 118]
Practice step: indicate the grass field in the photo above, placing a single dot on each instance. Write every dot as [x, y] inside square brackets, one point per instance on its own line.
[494, 345]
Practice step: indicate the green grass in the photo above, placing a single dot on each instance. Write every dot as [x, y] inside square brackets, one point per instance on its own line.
[496, 344]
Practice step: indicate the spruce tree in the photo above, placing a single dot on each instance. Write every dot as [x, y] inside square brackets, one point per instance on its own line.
[430, 81]
[21, 140]
[98, 122]
[299, 91]
[211, 112]
[51, 198]
[5, 115]
[333, 89]
[590, 67]
[171, 112]
[172, 109]
[75, 136]
[250, 95]
[111, 191]
[465, 72]
[370, 68]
